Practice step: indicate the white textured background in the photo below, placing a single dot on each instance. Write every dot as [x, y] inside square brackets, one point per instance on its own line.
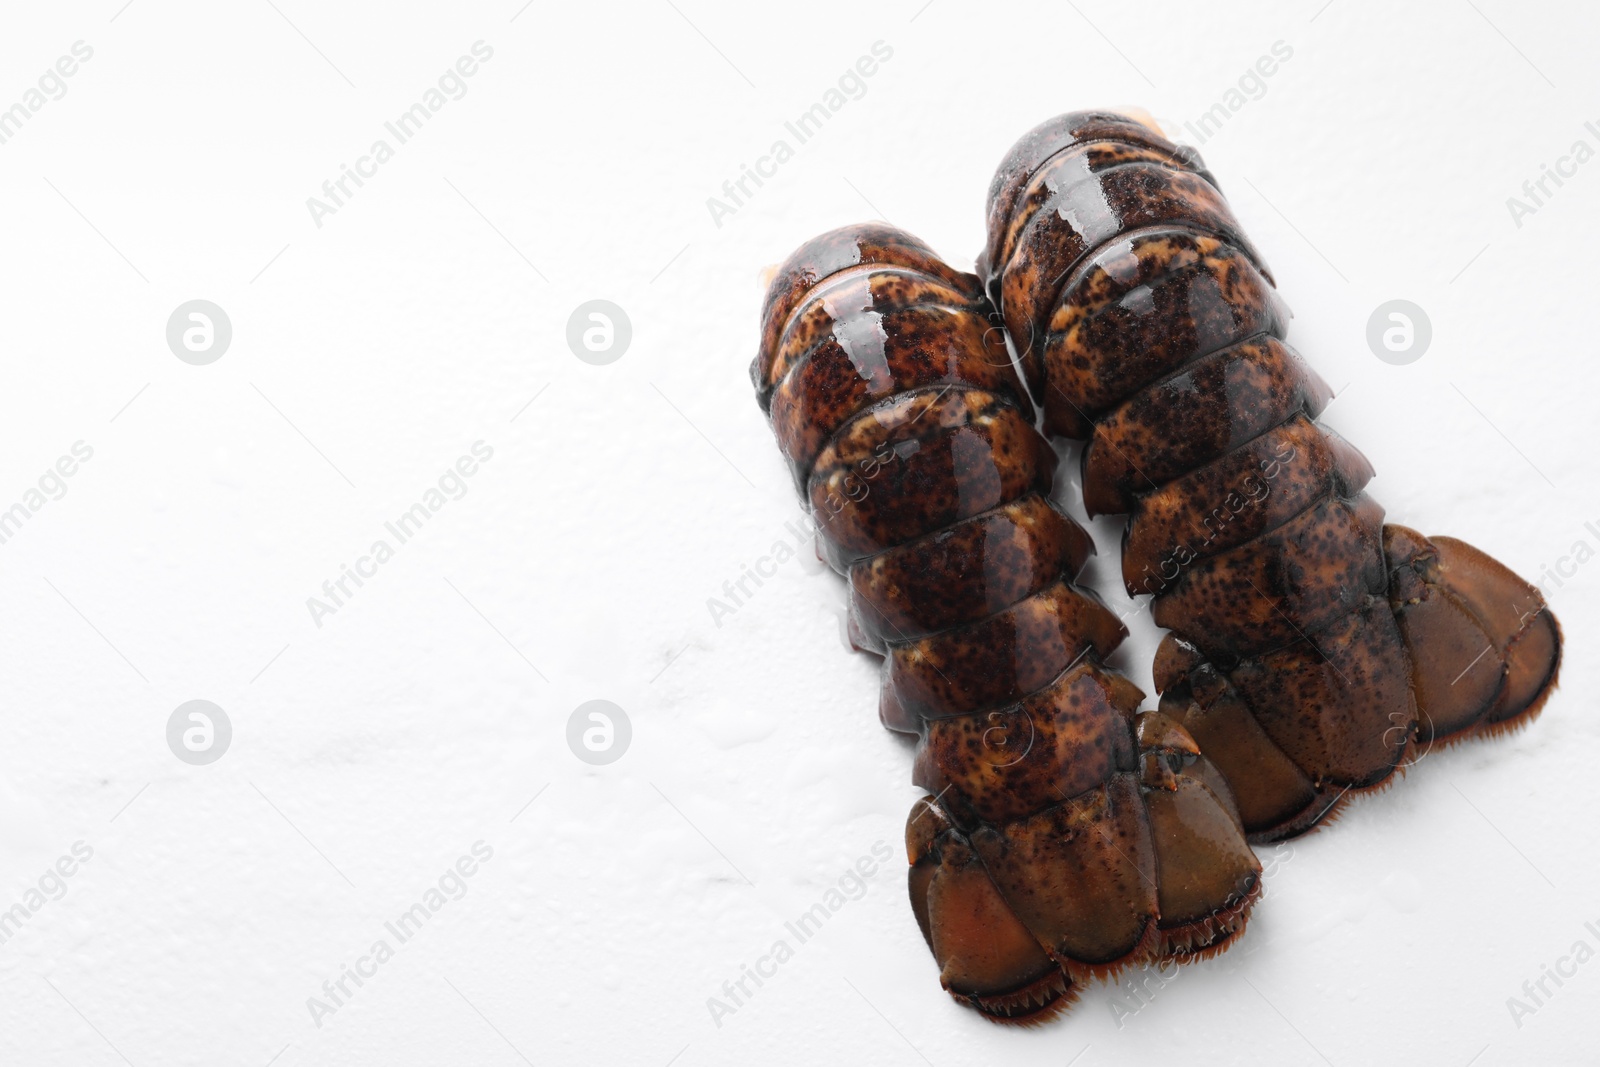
[424, 315]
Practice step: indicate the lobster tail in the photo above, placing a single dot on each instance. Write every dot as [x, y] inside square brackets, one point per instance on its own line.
[1066, 836]
[1312, 645]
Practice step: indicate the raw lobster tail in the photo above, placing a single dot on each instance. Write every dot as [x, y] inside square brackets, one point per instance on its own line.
[1313, 647]
[1066, 835]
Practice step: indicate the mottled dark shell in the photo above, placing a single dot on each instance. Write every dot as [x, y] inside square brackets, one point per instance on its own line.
[1312, 646]
[1062, 823]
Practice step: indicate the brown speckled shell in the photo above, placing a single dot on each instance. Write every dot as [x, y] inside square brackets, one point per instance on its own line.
[1045, 854]
[1312, 646]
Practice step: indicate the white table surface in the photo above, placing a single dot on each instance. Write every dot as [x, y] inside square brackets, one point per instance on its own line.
[429, 312]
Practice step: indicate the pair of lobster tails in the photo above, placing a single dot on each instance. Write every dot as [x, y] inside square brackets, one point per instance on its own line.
[1066, 834]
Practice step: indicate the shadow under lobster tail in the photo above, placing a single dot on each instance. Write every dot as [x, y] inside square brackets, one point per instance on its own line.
[1066, 837]
[1313, 648]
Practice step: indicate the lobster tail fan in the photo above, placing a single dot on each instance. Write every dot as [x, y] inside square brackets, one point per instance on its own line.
[1484, 647]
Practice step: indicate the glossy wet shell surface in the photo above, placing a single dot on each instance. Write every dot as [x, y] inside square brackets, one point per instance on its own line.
[1313, 647]
[1041, 860]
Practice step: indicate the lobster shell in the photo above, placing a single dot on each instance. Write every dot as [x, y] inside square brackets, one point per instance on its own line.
[1065, 835]
[1314, 649]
